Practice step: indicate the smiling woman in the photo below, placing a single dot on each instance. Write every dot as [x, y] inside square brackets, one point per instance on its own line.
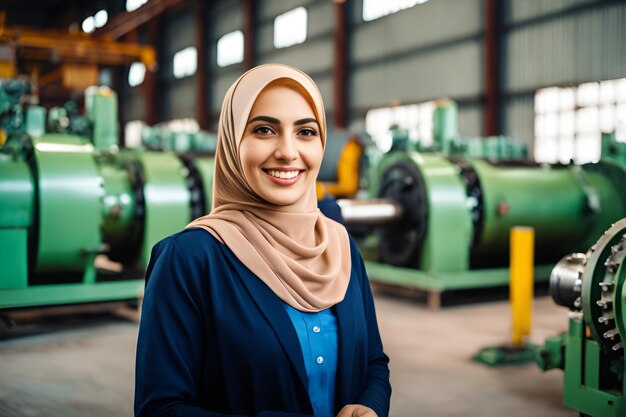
[269, 313]
[281, 149]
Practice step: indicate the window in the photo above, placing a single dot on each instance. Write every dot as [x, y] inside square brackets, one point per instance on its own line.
[136, 74]
[230, 49]
[569, 120]
[290, 28]
[101, 18]
[185, 62]
[417, 119]
[374, 9]
[89, 24]
[132, 5]
[132, 133]
[96, 21]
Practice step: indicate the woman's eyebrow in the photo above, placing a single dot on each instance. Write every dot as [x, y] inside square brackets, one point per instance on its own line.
[305, 121]
[265, 119]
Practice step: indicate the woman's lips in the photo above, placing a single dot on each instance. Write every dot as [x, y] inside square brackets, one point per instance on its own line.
[283, 176]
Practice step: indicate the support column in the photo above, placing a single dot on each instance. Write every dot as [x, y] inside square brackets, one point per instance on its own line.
[150, 82]
[120, 85]
[200, 11]
[249, 33]
[491, 124]
[340, 55]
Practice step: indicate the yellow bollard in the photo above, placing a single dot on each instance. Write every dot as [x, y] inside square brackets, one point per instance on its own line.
[521, 281]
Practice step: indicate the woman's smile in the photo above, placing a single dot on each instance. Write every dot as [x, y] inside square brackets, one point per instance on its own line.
[283, 176]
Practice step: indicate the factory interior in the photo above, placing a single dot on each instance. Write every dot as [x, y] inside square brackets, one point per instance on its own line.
[476, 150]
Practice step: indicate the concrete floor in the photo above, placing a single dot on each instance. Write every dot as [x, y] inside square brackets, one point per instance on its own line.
[82, 365]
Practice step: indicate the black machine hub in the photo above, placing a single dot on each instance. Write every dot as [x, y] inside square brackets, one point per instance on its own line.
[127, 251]
[400, 242]
[474, 192]
[196, 187]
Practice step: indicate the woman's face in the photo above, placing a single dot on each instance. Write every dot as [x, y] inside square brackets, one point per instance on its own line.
[281, 149]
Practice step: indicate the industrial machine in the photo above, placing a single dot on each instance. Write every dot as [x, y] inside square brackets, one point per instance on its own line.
[341, 168]
[164, 139]
[591, 352]
[448, 140]
[79, 215]
[613, 149]
[445, 218]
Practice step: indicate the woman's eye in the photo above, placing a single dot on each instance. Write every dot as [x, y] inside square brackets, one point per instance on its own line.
[307, 131]
[262, 130]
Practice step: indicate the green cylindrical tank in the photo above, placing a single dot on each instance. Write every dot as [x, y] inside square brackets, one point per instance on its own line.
[69, 191]
[17, 191]
[565, 204]
[562, 203]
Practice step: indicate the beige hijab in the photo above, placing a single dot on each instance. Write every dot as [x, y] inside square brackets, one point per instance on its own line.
[300, 254]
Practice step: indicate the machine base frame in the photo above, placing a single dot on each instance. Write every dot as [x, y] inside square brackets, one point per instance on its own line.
[435, 283]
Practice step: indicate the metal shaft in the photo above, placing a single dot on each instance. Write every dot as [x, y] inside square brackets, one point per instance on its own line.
[370, 211]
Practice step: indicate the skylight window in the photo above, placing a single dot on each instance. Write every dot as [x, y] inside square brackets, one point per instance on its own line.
[230, 49]
[89, 24]
[101, 18]
[374, 9]
[290, 28]
[185, 62]
[132, 5]
[96, 21]
[136, 74]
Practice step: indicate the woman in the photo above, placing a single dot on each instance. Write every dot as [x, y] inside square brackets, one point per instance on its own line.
[263, 307]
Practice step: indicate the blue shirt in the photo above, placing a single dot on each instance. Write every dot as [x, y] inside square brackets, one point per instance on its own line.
[317, 333]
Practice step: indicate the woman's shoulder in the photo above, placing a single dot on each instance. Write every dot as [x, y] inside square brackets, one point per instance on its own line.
[193, 244]
[193, 237]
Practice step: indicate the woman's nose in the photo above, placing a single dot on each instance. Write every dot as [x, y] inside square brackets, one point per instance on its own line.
[286, 148]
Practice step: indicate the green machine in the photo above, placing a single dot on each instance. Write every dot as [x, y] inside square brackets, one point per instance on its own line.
[452, 217]
[444, 218]
[591, 352]
[79, 215]
[449, 141]
[612, 149]
[164, 139]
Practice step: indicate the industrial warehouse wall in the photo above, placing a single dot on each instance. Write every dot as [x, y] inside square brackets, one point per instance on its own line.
[429, 51]
[314, 56]
[556, 43]
[225, 17]
[131, 100]
[178, 96]
[416, 55]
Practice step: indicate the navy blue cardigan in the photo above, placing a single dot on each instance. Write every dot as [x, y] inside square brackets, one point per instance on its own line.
[215, 340]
